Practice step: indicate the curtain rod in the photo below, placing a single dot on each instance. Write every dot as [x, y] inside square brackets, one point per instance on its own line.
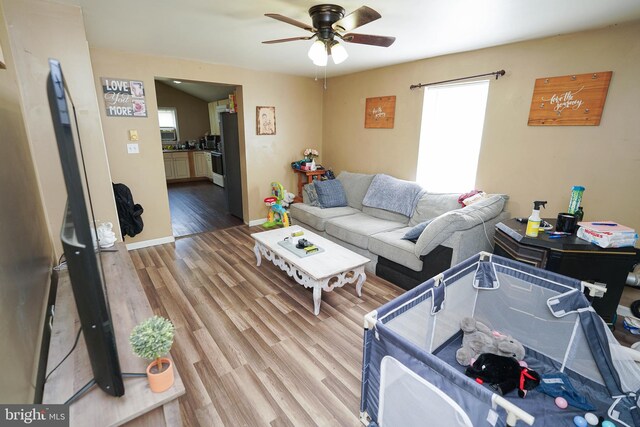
[496, 73]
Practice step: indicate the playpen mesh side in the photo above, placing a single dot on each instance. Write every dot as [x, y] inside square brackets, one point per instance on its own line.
[406, 386]
[429, 331]
[519, 308]
[408, 399]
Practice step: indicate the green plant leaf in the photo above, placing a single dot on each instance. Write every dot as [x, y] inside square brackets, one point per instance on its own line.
[152, 338]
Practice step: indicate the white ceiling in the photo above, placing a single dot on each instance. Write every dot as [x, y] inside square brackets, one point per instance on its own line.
[230, 32]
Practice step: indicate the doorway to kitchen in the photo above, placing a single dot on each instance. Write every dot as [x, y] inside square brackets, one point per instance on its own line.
[199, 136]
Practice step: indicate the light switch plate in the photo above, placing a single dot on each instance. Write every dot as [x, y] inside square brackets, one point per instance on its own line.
[133, 149]
[133, 135]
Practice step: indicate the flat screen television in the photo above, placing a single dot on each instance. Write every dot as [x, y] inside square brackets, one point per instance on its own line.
[79, 241]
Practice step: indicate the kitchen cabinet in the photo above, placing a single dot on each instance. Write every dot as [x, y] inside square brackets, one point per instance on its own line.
[168, 166]
[181, 165]
[200, 163]
[176, 165]
[215, 108]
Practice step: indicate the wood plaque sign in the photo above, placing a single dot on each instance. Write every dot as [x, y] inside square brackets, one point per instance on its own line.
[575, 100]
[380, 112]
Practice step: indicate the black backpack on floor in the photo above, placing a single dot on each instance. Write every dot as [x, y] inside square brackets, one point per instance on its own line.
[129, 213]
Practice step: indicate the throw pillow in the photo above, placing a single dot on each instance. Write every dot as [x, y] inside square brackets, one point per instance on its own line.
[415, 232]
[330, 193]
[312, 196]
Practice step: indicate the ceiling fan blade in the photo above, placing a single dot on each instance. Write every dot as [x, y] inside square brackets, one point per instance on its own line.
[290, 39]
[382, 41]
[290, 21]
[356, 19]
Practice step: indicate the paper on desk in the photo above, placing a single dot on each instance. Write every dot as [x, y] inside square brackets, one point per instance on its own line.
[605, 228]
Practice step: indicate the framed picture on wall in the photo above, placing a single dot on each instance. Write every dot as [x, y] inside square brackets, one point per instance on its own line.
[265, 120]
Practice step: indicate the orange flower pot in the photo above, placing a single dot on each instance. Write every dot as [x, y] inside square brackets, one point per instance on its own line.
[161, 381]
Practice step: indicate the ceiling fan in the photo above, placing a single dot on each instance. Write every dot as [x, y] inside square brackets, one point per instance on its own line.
[329, 23]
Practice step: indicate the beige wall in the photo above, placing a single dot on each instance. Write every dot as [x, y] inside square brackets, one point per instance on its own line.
[192, 113]
[26, 252]
[298, 103]
[527, 162]
[38, 31]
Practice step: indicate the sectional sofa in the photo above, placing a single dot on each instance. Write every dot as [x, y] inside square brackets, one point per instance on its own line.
[451, 232]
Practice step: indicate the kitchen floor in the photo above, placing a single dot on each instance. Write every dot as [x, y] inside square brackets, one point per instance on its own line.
[198, 207]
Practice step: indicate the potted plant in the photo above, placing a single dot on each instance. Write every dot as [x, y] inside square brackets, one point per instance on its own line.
[151, 340]
[310, 154]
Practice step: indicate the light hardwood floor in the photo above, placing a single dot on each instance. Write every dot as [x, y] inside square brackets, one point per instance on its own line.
[248, 347]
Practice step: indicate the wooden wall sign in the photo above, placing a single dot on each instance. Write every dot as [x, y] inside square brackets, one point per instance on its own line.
[123, 97]
[575, 100]
[380, 112]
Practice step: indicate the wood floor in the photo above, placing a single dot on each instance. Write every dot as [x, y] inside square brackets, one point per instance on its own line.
[198, 207]
[629, 295]
[249, 349]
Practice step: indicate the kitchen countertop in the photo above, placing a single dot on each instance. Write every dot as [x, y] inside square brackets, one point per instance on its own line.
[186, 151]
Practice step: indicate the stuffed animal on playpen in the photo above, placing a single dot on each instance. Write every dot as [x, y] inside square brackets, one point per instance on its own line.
[279, 200]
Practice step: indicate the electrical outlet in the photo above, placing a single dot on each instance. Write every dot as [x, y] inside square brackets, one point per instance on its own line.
[133, 149]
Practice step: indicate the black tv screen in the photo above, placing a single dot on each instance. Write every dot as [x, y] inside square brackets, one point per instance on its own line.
[79, 242]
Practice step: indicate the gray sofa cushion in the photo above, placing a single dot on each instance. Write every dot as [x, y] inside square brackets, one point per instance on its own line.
[415, 231]
[432, 205]
[316, 217]
[384, 214]
[330, 193]
[355, 186]
[356, 229]
[390, 245]
[461, 219]
[309, 195]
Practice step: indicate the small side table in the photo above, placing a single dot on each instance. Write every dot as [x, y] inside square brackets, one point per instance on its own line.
[570, 256]
[304, 178]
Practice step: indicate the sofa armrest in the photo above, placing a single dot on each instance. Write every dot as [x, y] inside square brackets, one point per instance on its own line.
[467, 243]
[443, 227]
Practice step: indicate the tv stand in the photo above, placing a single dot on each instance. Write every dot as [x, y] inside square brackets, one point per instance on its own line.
[73, 379]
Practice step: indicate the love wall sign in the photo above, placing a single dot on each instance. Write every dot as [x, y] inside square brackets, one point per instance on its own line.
[575, 100]
[123, 97]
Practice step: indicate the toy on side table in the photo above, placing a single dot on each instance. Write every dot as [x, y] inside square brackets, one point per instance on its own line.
[279, 200]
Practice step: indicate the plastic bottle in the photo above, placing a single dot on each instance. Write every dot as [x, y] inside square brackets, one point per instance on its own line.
[579, 214]
[533, 224]
[576, 198]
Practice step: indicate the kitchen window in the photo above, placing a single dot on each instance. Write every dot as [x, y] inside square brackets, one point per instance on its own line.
[168, 119]
[450, 137]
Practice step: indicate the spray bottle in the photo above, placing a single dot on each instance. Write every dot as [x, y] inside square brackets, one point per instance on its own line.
[533, 224]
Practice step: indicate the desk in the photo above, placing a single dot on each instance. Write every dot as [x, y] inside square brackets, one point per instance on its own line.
[306, 177]
[570, 256]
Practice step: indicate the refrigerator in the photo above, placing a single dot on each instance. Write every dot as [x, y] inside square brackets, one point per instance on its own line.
[231, 161]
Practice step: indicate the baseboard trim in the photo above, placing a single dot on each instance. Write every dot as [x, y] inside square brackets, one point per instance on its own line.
[152, 242]
[257, 222]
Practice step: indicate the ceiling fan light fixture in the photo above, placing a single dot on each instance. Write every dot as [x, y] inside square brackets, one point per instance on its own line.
[338, 53]
[318, 53]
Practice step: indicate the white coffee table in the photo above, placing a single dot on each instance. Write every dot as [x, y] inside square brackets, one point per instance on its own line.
[334, 267]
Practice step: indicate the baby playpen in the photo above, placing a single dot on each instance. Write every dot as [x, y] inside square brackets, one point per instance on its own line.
[410, 376]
